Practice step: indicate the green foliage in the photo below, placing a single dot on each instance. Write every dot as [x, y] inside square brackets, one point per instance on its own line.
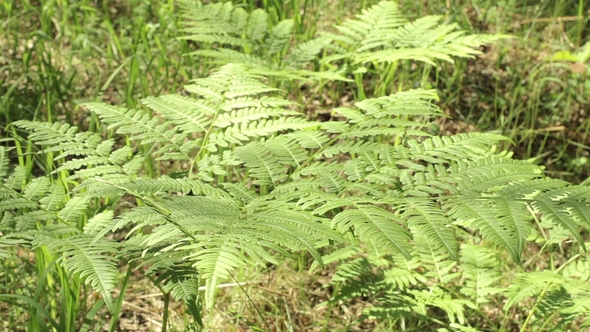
[434, 289]
[235, 175]
[229, 34]
[375, 174]
[380, 34]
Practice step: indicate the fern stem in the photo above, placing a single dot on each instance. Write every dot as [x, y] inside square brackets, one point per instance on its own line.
[165, 314]
[157, 207]
[539, 300]
[206, 137]
[386, 80]
[547, 240]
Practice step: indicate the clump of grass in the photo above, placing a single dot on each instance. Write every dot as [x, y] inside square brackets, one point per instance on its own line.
[57, 54]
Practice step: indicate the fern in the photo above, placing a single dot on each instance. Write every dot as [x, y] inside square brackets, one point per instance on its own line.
[381, 34]
[234, 175]
[255, 180]
[229, 34]
[94, 260]
[479, 269]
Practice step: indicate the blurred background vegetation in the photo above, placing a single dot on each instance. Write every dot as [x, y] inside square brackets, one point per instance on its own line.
[534, 88]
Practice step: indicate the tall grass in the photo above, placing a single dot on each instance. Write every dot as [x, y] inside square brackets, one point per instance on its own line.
[59, 53]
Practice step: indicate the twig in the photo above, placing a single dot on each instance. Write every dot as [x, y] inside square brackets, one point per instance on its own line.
[551, 19]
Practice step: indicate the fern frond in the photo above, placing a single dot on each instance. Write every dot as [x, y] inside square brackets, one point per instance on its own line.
[287, 150]
[54, 198]
[561, 206]
[438, 264]
[531, 284]
[183, 284]
[427, 219]
[553, 301]
[141, 127]
[358, 278]
[187, 119]
[29, 221]
[240, 192]
[457, 147]
[257, 25]
[414, 102]
[403, 278]
[279, 37]
[215, 259]
[479, 269]
[377, 226]
[375, 21]
[243, 132]
[231, 35]
[397, 305]
[437, 297]
[93, 261]
[15, 181]
[245, 115]
[261, 164]
[64, 139]
[305, 52]
[74, 209]
[380, 35]
[141, 216]
[338, 255]
[50, 133]
[255, 63]
[99, 225]
[353, 148]
[211, 23]
[475, 213]
[37, 188]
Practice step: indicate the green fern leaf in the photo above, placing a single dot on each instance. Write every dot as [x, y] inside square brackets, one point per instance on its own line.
[74, 209]
[99, 225]
[287, 150]
[531, 284]
[376, 226]
[479, 269]
[279, 37]
[54, 200]
[427, 219]
[474, 212]
[29, 221]
[257, 25]
[187, 119]
[94, 262]
[37, 188]
[261, 164]
[381, 35]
